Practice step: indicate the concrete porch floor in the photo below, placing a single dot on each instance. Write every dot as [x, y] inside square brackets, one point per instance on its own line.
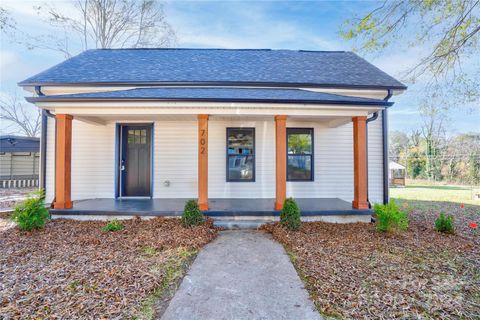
[218, 207]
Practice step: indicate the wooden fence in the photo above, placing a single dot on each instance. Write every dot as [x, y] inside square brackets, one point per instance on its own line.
[19, 169]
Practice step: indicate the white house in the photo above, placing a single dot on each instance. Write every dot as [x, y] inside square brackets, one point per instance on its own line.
[140, 131]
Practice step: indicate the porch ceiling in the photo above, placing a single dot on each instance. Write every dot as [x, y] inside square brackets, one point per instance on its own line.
[329, 121]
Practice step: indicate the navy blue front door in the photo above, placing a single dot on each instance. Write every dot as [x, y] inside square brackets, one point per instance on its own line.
[135, 166]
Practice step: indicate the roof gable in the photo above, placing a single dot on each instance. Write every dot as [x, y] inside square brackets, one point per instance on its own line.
[217, 66]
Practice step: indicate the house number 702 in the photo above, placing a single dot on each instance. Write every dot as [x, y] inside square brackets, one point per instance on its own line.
[202, 141]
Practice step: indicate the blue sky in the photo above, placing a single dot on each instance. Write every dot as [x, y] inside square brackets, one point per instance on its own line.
[310, 25]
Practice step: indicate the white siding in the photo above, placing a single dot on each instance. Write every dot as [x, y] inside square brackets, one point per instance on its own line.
[334, 163]
[93, 161]
[50, 162]
[175, 159]
[333, 159]
[264, 185]
[375, 160]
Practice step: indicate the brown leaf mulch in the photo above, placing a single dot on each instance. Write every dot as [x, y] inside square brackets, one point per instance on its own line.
[425, 212]
[354, 272]
[72, 269]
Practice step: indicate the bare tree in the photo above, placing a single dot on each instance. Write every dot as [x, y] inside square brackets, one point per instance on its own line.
[101, 24]
[434, 115]
[19, 117]
[450, 29]
[5, 20]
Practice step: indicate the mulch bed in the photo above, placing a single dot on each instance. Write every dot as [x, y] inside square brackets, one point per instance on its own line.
[72, 269]
[425, 212]
[352, 271]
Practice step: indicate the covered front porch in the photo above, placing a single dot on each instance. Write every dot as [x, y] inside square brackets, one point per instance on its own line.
[236, 158]
[340, 167]
[217, 207]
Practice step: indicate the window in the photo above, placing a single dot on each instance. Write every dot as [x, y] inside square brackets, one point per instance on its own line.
[241, 154]
[299, 154]
[137, 136]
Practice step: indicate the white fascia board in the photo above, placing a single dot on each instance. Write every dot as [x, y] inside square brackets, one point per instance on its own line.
[364, 93]
[58, 90]
[125, 108]
[210, 111]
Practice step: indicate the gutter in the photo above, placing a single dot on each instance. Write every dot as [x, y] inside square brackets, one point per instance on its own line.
[384, 148]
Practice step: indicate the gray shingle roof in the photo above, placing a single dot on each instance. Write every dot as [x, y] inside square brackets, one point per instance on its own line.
[10, 143]
[214, 66]
[216, 95]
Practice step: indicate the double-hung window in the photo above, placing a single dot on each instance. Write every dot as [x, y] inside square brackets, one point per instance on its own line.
[241, 154]
[299, 154]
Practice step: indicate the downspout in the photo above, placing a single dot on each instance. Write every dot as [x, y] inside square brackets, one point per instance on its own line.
[385, 149]
[43, 142]
[372, 118]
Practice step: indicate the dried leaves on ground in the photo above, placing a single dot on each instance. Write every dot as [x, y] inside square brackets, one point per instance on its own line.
[72, 269]
[352, 271]
[10, 197]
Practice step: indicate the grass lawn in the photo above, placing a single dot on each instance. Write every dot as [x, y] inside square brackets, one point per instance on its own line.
[74, 270]
[352, 271]
[457, 194]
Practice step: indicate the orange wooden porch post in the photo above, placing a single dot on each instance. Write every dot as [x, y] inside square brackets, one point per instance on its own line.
[63, 162]
[203, 161]
[360, 163]
[281, 161]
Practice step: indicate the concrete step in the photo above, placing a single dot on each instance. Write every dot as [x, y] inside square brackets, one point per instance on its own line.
[232, 224]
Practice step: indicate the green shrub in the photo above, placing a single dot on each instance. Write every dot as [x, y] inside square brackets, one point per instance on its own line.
[390, 218]
[113, 225]
[192, 216]
[290, 216]
[31, 214]
[445, 224]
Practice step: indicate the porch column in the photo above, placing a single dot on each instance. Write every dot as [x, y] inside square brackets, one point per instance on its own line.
[360, 163]
[63, 162]
[203, 161]
[281, 160]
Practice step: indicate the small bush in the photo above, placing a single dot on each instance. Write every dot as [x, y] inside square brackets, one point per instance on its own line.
[390, 218]
[445, 224]
[192, 216]
[31, 214]
[290, 216]
[113, 225]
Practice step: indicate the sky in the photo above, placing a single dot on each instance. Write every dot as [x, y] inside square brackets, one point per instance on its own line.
[297, 25]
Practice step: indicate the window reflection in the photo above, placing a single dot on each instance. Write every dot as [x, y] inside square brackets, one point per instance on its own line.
[241, 154]
[299, 154]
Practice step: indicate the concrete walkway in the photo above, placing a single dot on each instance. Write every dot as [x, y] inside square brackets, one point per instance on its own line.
[241, 275]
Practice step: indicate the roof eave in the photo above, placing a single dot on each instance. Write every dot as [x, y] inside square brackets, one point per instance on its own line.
[237, 100]
[26, 83]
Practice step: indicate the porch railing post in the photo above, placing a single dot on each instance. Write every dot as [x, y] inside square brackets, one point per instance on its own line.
[203, 161]
[360, 163]
[63, 162]
[281, 161]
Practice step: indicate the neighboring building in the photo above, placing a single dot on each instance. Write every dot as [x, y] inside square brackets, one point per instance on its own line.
[397, 174]
[19, 161]
[139, 131]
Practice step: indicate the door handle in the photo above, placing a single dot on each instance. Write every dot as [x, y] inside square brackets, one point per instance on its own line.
[122, 166]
